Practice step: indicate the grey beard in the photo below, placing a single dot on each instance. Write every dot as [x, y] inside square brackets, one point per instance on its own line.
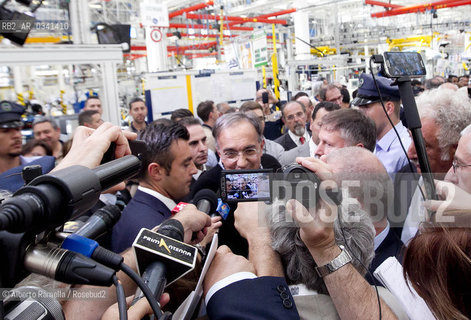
[299, 130]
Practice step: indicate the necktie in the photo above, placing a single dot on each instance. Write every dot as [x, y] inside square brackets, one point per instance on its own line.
[302, 140]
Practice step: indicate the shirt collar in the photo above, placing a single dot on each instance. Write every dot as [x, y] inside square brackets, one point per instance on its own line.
[381, 236]
[387, 140]
[295, 138]
[169, 203]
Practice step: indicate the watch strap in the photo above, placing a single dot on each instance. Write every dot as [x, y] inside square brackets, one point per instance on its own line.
[342, 259]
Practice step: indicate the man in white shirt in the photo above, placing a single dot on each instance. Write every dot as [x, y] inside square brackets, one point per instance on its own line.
[294, 117]
[166, 174]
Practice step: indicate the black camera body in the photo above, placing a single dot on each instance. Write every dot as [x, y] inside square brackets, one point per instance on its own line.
[292, 182]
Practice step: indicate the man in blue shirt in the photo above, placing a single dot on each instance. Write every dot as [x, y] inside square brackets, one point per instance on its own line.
[388, 146]
[11, 161]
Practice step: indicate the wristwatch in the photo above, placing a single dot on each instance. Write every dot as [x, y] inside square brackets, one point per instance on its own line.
[342, 259]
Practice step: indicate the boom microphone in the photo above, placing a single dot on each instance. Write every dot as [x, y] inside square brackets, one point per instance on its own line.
[52, 199]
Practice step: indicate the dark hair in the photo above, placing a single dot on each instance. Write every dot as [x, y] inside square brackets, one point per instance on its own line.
[292, 102]
[134, 100]
[31, 144]
[323, 91]
[45, 119]
[90, 98]
[204, 109]
[327, 105]
[353, 125]
[229, 119]
[159, 137]
[298, 95]
[180, 113]
[345, 95]
[437, 261]
[189, 121]
[250, 106]
[450, 77]
[86, 116]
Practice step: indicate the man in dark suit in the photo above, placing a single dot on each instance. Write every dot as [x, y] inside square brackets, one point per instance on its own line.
[294, 118]
[233, 291]
[239, 143]
[166, 172]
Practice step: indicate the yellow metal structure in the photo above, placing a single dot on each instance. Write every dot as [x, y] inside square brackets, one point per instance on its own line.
[63, 105]
[274, 63]
[20, 99]
[264, 75]
[323, 51]
[417, 41]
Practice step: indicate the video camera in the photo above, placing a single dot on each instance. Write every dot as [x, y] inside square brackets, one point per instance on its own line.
[292, 182]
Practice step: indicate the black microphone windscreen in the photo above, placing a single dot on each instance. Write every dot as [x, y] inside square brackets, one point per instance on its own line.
[208, 195]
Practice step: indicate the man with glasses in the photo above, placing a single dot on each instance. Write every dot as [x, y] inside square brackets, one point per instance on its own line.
[294, 117]
[11, 161]
[460, 171]
[239, 143]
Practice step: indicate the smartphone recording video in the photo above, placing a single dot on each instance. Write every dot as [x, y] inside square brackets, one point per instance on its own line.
[403, 64]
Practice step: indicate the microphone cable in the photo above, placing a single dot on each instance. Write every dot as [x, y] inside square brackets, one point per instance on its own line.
[90, 248]
[121, 297]
[155, 305]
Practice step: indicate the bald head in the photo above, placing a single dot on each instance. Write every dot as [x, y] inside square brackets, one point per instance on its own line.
[367, 181]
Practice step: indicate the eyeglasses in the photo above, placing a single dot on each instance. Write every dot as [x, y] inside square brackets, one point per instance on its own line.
[455, 165]
[291, 116]
[234, 155]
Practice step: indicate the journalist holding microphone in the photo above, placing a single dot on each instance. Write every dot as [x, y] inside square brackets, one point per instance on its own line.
[191, 223]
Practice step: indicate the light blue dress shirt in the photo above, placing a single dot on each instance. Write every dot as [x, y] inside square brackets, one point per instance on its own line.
[389, 151]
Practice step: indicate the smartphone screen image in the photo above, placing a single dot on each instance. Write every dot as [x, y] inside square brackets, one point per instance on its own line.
[246, 186]
[401, 64]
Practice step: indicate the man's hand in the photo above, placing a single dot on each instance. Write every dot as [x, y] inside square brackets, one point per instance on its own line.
[194, 221]
[318, 166]
[452, 199]
[224, 264]
[135, 312]
[90, 145]
[250, 220]
[216, 223]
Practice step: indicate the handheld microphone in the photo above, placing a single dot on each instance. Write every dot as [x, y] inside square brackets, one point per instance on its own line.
[52, 199]
[100, 222]
[206, 201]
[67, 266]
[161, 260]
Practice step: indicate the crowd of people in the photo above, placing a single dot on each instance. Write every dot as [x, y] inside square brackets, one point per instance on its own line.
[283, 260]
